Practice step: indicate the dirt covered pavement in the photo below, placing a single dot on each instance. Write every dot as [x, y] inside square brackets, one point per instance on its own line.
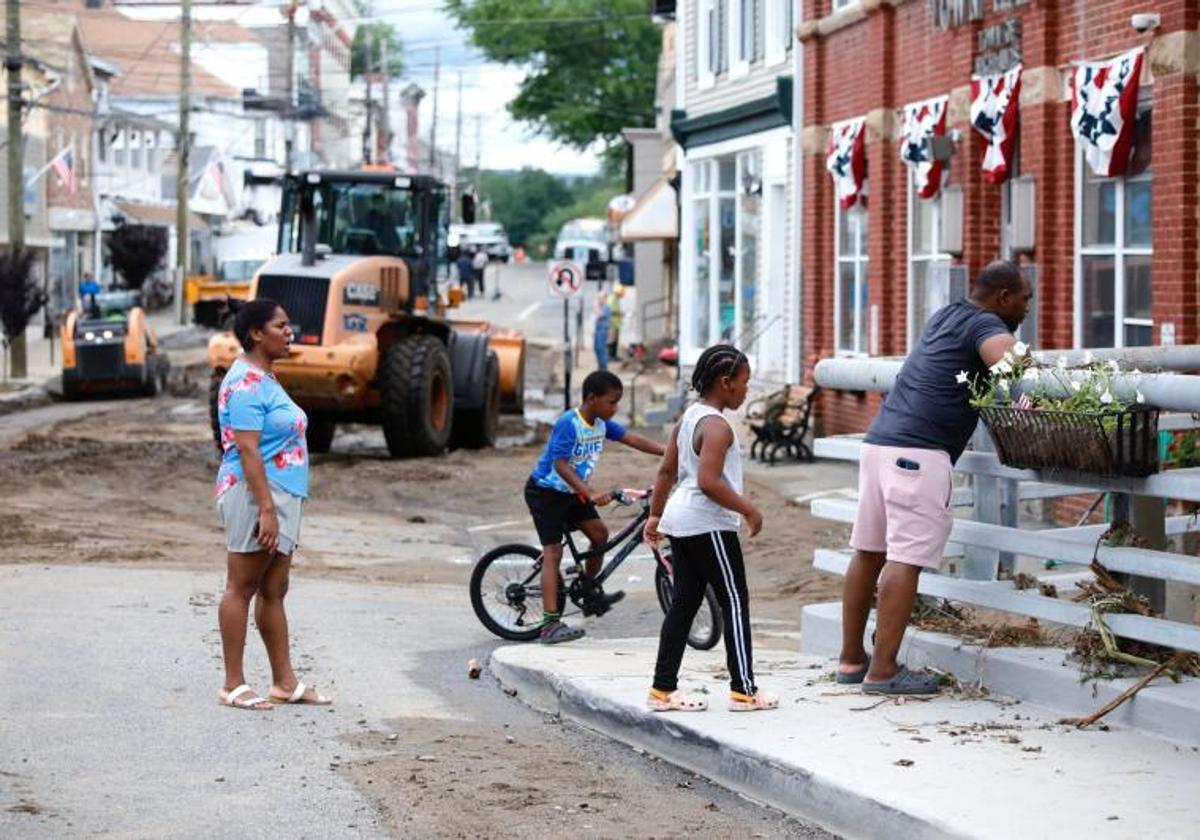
[130, 485]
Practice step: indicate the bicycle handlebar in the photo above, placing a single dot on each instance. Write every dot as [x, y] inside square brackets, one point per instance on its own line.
[626, 496]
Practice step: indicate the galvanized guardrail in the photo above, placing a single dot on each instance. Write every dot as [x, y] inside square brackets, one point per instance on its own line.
[991, 540]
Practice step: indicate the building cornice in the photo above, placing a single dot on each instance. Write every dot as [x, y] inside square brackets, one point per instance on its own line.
[738, 120]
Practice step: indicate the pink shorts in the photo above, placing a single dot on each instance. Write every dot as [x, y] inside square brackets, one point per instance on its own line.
[905, 513]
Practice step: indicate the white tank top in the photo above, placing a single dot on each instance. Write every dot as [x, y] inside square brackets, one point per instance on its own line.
[689, 512]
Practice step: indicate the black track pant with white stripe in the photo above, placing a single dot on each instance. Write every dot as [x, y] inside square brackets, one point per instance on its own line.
[714, 558]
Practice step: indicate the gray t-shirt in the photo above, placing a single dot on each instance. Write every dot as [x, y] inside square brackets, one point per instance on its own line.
[928, 409]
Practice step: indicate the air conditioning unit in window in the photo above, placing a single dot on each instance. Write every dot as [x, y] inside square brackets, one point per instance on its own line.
[1021, 233]
[951, 235]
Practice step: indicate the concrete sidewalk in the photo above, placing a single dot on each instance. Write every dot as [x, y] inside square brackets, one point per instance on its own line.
[947, 767]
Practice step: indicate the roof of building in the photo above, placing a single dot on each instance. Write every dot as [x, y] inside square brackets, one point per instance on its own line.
[51, 38]
[146, 53]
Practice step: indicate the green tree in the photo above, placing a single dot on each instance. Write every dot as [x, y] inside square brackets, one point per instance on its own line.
[365, 51]
[592, 63]
[521, 199]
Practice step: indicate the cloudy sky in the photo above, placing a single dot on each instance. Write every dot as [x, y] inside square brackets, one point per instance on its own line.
[487, 88]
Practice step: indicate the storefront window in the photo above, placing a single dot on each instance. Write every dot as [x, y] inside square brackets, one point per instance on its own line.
[1116, 248]
[928, 289]
[727, 257]
[701, 221]
[850, 294]
[750, 224]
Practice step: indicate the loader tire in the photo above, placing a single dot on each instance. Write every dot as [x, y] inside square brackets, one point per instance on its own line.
[417, 397]
[319, 434]
[477, 428]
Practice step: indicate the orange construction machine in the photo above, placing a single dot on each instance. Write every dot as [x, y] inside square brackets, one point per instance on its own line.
[356, 272]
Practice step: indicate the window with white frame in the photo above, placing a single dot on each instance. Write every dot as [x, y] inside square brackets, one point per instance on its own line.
[928, 289]
[750, 31]
[707, 51]
[850, 280]
[838, 5]
[1113, 294]
[779, 23]
[701, 249]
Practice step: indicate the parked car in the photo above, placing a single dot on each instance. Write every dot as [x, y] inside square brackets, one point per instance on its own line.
[583, 235]
[491, 237]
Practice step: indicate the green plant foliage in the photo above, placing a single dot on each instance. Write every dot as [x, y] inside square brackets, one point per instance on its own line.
[591, 64]
[365, 51]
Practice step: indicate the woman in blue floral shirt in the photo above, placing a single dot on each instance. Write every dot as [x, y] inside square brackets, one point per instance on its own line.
[261, 486]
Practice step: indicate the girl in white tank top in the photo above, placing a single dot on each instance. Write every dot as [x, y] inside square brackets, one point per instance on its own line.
[702, 518]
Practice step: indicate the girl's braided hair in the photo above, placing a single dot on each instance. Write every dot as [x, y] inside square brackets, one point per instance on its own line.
[715, 362]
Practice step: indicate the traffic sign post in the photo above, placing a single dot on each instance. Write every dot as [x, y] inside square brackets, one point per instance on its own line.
[566, 279]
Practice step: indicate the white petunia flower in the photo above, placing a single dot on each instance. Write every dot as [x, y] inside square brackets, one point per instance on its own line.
[1141, 398]
[1031, 374]
[1008, 356]
[1002, 384]
[1075, 386]
[1020, 348]
[1114, 365]
[961, 378]
[1135, 372]
[1106, 398]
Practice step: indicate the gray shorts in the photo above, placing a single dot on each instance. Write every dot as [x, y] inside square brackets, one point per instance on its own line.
[239, 514]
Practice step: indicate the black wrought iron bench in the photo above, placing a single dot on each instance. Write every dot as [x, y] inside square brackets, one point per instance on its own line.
[780, 423]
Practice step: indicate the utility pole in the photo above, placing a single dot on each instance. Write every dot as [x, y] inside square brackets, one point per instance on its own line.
[289, 114]
[385, 116]
[16, 167]
[368, 133]
[454, 188]
[182, 243]
[478, 154]
[437, 68]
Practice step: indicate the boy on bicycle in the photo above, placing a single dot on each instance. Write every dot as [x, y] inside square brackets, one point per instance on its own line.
[560, 498]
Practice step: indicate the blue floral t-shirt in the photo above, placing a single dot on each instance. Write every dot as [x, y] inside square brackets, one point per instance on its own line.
[252, 400]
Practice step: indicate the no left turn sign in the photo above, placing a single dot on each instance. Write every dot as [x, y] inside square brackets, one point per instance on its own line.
[566, 278]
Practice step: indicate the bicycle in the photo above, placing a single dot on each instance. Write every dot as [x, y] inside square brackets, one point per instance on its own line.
[506, 589]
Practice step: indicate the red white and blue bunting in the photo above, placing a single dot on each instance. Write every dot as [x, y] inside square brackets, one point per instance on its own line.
[846, 161]
[922, 122]
[994, 115]
[1103, 107]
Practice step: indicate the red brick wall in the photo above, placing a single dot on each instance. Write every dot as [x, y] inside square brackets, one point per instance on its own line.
[895, 56]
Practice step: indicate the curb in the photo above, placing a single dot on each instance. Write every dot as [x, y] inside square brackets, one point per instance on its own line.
[34, 396]
[1039, 675]
[793, 790]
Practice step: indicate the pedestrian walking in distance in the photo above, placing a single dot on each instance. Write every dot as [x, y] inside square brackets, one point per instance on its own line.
[600, 333]
[479, 264]
[905, 476]
[466, 277]
[702, 519]
[261, 487]
[560, 498]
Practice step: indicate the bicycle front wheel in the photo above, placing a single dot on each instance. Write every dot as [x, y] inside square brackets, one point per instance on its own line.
[506, 591]
[706, 626]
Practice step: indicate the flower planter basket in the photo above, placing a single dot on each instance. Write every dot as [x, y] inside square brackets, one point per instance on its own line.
[1112, 443]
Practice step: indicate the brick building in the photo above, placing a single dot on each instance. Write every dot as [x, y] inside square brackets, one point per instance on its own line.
[1115, 261]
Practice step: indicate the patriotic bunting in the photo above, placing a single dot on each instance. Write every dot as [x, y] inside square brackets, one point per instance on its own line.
[1103, 107]
[994, 115]
[846, 161]
[922, 122]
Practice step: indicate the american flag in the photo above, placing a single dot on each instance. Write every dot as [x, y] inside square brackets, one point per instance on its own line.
[64, 169]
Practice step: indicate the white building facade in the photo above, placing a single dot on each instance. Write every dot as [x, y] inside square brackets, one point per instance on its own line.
[733, 117]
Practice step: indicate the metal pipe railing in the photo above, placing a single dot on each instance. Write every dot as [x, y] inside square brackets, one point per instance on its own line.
[1168, 391]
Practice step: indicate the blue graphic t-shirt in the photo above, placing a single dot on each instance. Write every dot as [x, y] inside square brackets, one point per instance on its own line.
[579, 443]
[252, 400]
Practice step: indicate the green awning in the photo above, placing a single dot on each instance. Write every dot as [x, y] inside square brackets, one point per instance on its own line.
[736, 121]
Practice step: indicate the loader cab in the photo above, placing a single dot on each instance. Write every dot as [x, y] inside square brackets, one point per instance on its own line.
[367, 214]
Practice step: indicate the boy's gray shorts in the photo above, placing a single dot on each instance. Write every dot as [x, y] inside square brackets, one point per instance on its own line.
[239, 514]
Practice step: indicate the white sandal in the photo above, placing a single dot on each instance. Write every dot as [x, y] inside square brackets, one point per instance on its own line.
[297, 698]
[677, 701]
[759, 701]
[253, 704]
